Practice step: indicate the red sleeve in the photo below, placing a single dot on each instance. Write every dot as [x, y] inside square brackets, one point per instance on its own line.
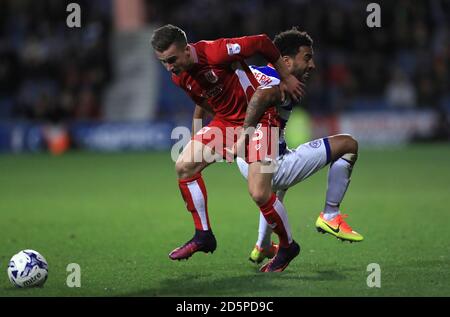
[228, 50]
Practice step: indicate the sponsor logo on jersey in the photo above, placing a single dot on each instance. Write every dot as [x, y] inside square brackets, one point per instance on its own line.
[211, 76]
[262, 79]
[233, 48]
[212, 92]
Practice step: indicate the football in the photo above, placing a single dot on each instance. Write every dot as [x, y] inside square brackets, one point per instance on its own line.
[28, 268]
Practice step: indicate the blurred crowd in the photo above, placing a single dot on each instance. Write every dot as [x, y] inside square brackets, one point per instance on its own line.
[403, 64]
[48, 71]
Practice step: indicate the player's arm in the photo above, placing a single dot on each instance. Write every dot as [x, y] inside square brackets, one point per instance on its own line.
[201, 112]
[262, 99]
[249, 46]
[235, 49]
[227, 50]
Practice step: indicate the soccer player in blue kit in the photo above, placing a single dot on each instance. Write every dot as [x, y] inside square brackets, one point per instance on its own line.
[295, 165]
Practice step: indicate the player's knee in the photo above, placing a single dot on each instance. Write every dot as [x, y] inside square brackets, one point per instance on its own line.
[184, 170]
[260, 197]
[344, 146]
[350, 150]
[351, 144]
[346, 143]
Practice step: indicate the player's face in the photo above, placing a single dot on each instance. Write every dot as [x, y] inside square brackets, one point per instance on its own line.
[176, 58]
[303, 63]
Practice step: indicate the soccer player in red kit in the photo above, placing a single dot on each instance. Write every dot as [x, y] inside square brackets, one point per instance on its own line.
[214, 74]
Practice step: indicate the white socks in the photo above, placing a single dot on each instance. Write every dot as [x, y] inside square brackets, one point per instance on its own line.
[338, 181]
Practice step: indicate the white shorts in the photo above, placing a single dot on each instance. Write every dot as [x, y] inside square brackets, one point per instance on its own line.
[296, 165]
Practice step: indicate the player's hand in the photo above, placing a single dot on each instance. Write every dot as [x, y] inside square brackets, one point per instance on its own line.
[238, 149]
[292, 87]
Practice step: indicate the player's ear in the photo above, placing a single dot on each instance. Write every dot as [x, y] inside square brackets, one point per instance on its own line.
[287, 60]
[187, 50]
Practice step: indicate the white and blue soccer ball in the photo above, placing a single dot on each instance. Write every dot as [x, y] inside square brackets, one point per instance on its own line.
[28, 268]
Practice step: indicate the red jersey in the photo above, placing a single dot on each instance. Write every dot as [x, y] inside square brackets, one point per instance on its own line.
[222, 78]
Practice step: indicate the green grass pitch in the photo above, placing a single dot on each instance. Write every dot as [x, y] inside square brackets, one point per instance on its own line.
[119, 215]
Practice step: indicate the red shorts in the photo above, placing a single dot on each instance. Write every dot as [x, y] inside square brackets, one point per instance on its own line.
[219, 134]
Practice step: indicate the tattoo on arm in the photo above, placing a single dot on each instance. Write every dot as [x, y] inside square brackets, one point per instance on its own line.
[261, 100]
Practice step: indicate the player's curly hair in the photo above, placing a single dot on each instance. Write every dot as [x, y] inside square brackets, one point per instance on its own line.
[166, 35]
[288, 42]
